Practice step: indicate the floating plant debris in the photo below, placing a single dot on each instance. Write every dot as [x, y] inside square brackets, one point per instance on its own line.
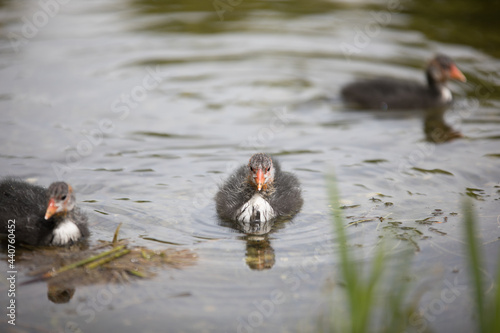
[438, 231]
[375, 161]
[351, 206]
[435, 171]
[107, 262]
[475, 193]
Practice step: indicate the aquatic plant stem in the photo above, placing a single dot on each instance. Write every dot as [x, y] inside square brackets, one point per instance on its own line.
[105, 260]
[115, 236]
[82, 262]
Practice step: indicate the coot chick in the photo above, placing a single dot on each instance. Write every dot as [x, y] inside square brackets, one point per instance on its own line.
[259, 192]
[386, 93]
[42, 216]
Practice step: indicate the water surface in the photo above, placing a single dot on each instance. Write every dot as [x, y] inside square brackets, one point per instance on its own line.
[145, 107]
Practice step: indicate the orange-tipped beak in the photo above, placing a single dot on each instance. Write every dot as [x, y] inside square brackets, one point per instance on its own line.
[51, 210]
[259, 179]
[456, 74]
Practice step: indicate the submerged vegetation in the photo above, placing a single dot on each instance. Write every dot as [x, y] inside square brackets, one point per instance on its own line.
[379, 294]
[107, 262]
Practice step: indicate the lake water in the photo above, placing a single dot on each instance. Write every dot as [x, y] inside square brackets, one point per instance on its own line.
[145, 107]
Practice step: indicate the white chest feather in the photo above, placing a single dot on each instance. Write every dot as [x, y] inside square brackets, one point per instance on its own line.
[257, 208]
[446, 95]
[65, 232]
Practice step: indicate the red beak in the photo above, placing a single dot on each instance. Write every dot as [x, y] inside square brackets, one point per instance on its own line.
[259, 179]
[51, 210]
[456, 74]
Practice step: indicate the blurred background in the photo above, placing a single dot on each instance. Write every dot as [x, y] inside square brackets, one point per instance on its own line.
[145, 107]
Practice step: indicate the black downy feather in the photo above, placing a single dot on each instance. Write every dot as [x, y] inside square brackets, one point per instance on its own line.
[26, 204]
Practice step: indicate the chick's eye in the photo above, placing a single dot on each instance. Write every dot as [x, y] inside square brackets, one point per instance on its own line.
[268, 169]
[63, 197]
[251, 169]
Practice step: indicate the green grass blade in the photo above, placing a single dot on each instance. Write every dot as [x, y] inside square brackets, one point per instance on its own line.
[474, 257]
[493, 311]
[370, 308]
[347, 266]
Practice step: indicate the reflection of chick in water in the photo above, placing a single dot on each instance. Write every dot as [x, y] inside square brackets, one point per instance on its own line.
[60, 294]
[436, 129]
[260, 254]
